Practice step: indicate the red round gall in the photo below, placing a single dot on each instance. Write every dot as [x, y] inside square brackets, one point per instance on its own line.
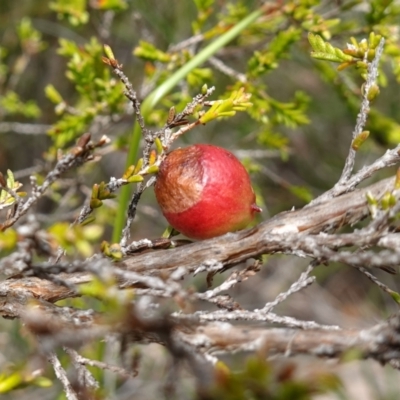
[204, 191]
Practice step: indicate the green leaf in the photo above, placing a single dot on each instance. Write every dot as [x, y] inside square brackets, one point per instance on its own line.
[359, 140]
[198, 76]
[395, 296]
[325, 51]
[53, 95]
[135, 178]
[301, 192]
[72, 10]
[153, 169]
[31, 39]
[149, 52]
[13, 105]
[8, 240]
[291, 114]
[267, 60]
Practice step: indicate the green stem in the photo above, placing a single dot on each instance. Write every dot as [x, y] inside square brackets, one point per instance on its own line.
[156, 95]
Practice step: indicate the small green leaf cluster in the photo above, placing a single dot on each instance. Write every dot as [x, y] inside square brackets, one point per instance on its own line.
[29, 37]
[74, 11]
[31, 43]
[147, 51]
[112, 251]
[76, 238]
[382, 13]
[133, 174]
[99, 94]
[204, 11]
[6, 199]
[266, 60]
[172, 60]
[304, 12]
[325, 51]
[271, 113]
[100, 192]
[198, 76]
[238, 101]
[291, 114]
[356, 53]
[11, 104]
[136, 173]
[386, 202]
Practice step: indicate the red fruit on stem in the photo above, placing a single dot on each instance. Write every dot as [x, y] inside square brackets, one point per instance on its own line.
[204, 191]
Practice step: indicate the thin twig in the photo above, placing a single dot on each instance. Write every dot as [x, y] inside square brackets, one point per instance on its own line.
[372, 76]
[255, 316]
[62, 376]
[76, 157]
[100, 364]
[303, 281]
[377, 282]
[130, 93]
[186, 43]
[85, 377]
[24, 128]
[225, 69]
[132, 210]
[347, 183]
[390, 158]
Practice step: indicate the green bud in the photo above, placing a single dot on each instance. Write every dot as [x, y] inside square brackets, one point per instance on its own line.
[89, 219]
[370, 54]
[373, 92]
[392, 200]
[95, 191]
[361, 65]
[159, 145]
[135, 178]
[395, 296]
[363, 45]
[109, 52]
[344, 65]
[359, 140]
[129, 172]
[152, 169]
[115, 251]
[138, 166]
[105, 248]
[371, 200]
[385, 201]
[397, 181]
[53, 95]
[95, 203]
[153, 157]
[171, 115]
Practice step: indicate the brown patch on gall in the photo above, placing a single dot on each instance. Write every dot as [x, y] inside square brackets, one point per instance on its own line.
[179, 180]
